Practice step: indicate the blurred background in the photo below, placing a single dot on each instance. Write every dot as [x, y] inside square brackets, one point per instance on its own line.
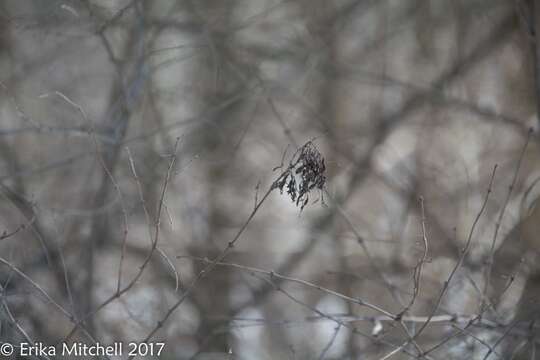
[138, 140]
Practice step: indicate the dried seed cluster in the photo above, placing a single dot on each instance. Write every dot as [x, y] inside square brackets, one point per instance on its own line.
[306, 171]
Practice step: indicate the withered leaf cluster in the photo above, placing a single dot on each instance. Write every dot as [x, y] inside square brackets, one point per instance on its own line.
[305, 172]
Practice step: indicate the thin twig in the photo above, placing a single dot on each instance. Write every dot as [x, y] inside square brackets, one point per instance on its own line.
[146, 261]
[464, 251]
[499, 222]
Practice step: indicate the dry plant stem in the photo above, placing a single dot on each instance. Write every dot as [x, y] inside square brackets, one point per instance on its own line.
[475, 320]
[483, 295]
[417, 276]
[391, 288]
[410, 340]
[508, 329]
[410, 337]
[146, 261]
[109, 175]
[442, 320]
[308, 164]
[65, 271]
[77, 324]
[464, 251]
[6, 235]
[330, 343]
[419, 266]
[449, 337]
[120, 197]
[459, 263]
[478, 320]
[66, 278]
[26, 209]
[208, 268]
[468, 333]
[386, 315]
[147, 218]
[14, 321]
[353, 329]
[499, 222]
[378, 270]
[453, 320]
[470, 321]
[501, 338]
[416, 287]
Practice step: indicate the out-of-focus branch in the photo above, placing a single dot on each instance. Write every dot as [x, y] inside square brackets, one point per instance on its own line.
[536, 50]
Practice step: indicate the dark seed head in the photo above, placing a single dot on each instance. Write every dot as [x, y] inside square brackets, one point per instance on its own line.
[306, 172]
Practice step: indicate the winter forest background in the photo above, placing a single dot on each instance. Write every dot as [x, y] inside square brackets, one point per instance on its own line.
[149, 151]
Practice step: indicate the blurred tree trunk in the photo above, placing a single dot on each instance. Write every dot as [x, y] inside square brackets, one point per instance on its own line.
[216, 80]
[124, 96]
